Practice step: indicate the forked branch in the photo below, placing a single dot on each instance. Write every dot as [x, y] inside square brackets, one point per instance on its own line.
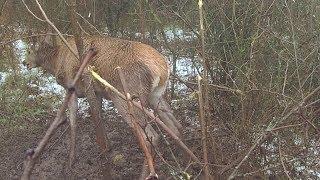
[34, 154]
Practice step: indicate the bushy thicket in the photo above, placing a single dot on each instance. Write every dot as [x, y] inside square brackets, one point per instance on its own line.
[263, 61]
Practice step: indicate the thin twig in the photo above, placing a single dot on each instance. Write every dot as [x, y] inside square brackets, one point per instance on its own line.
[257, 142]
[89, 24]
[263, 169]
[285, 77]
[32, 12]
[170, 149]
[309, 122]
[282, 163]
[59, 138]
[30, 36]
[295, 48]
[286, 127]
[189, 85]
[313, 103]
[83, 29]
[219, 87]
[57, 30]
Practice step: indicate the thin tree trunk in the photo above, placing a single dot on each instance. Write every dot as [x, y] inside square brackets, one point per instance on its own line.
[205, 93]
[95, 107]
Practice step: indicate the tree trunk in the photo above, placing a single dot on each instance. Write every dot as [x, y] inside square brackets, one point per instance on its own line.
[87, 79]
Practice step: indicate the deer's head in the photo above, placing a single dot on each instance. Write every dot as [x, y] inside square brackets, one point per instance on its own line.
[39, 52]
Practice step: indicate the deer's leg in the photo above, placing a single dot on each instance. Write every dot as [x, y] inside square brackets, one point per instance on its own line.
[99, 102]
[146, 129]
[164, 111]
[167, 109]
[95, 103]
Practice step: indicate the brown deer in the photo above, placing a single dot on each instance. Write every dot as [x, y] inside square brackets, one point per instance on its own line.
[145, 69]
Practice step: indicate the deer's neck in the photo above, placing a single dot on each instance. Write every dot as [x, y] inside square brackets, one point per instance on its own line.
[49, 62]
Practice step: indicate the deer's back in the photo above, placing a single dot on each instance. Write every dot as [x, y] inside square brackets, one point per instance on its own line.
[142, 65]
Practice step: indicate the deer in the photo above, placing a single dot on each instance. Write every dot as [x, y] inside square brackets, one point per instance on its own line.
[146, 72]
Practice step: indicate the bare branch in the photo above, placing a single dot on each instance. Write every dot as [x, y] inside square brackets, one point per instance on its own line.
[89, 24]
[32, 12]
[57, 30]
[257, 143]
[30, 36]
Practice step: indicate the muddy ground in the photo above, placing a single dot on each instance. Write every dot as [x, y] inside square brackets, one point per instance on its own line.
[124, 159]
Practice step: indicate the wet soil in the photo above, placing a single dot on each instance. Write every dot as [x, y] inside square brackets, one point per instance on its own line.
[123, 161]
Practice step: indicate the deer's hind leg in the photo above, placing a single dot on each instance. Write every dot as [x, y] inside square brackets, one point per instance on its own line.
[162, 108]
[167, 109]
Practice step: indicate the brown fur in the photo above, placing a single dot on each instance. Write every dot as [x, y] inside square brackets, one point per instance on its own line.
[144, 68]
[141, 63]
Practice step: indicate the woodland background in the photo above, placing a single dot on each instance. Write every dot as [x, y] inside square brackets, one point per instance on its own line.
[262, 106]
